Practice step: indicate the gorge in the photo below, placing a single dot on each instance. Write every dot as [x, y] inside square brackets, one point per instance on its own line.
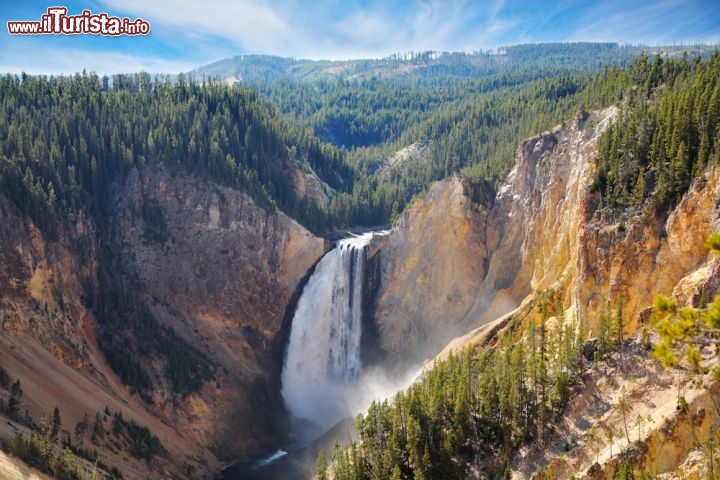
[167, 300]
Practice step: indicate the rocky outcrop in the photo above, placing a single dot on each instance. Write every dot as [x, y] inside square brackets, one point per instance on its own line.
[458, 262]
[414, 153]
[223, 265]
[638, 257]
[428, 271]
[43, 283]
[452, 263]
[590, 439]
[48, 343]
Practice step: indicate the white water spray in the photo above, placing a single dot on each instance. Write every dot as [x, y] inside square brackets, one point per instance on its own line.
[323, 361]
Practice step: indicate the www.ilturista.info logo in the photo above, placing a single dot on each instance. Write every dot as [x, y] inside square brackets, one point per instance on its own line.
[57, 21]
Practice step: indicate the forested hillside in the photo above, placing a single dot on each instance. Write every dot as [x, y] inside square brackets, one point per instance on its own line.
[474, 409]
[436, 67]
[667, 135]
[69, 138]
[470, 110]
[100, 165]
[71, 146]
[70, 141]
[84, 132]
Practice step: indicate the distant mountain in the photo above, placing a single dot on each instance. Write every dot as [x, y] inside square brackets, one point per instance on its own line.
[437, 65]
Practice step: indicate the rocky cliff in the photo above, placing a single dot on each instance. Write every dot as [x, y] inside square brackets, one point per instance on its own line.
[458, 259]
[222, 274]
[212, 265]
[462, 257]
[426, 274]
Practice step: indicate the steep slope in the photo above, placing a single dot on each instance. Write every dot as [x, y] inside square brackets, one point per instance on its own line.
[256, 68]
[11, 468]
[148, 271]
[471, 262]
[481, 259]
[48, 339]
[638, 257]
[668, 414]
[221, 279]
[430, 267]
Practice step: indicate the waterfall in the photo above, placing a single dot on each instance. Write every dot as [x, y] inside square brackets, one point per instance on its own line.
[323, 361]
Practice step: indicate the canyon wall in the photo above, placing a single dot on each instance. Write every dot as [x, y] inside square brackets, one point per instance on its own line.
[458, 259]
[212, 265]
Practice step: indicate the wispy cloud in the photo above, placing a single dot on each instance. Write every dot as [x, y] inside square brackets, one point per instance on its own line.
[661, 22]
[333, 28]
[187, 34]
[254, 25]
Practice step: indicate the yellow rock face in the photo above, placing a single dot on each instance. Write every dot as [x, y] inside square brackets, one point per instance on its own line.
[431, 267]
[451, 265]
[650, 256]
[542, 231]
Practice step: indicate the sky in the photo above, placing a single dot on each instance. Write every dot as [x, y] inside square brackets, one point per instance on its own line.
[188, 34]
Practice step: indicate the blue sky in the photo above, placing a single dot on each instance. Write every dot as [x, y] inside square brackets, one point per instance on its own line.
[187, 34]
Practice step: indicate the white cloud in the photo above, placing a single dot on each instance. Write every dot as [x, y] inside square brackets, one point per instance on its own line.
[653, 23]
[196, 33]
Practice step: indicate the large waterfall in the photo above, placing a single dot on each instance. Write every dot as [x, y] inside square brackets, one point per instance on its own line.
[323, 363]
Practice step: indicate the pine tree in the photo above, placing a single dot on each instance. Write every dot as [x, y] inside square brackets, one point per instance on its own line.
[619, 321]
[624, 406]
[624, 472]
[321, 466]
[16, 392]
[639, 191]
[604, 334]
[56, 424]
[686, 327]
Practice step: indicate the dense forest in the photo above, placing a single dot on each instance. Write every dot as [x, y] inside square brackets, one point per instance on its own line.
[69, 138]
[667, 135]
[80, 134]
[434, 67]
[67, 141]
[474, 126]
[468, 120]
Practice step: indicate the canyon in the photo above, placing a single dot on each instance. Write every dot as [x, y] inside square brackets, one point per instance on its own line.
[226, 275]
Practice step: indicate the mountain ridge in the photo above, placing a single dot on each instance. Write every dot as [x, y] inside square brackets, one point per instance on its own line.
[552, 55]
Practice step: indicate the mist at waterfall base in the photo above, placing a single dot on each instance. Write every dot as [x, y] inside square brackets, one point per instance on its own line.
[323, 380]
